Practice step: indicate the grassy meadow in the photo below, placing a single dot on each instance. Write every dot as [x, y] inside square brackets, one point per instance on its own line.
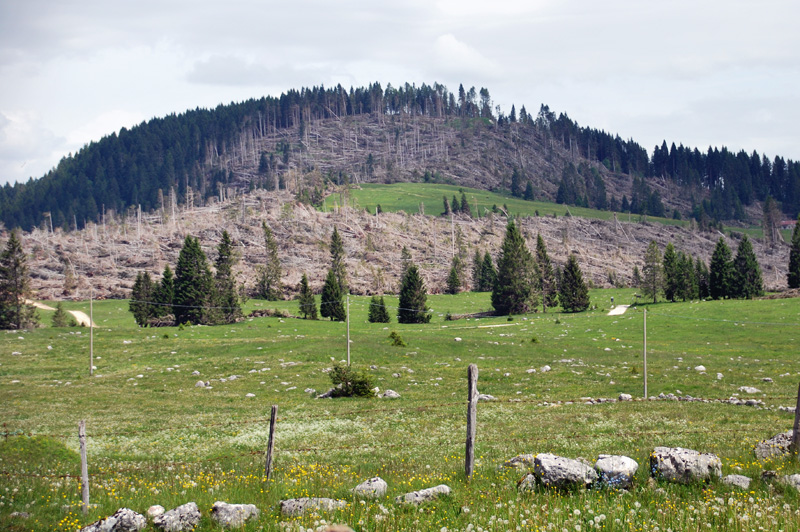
[155, 438]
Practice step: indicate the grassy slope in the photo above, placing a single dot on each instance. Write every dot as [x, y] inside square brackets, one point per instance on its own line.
[139, 424]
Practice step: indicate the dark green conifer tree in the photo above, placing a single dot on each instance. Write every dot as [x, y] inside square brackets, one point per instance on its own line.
[488, 274]
[15, 291]
[573, 292]
[515, 290]
[687, 281]
[227, 300]
[447, 210]
[702, 276]
[671, 273]
[332, 301]
[141, 299]
[747, 273]
[454, 277]
[455, 205]
[378, 313]
[793, 277]
[413, 298]
[308, 305]
[652, 274]
[338, 261]
[164, 293]
[547, 285]
[269, 280]
[464, 209]
[61, 318]
[529, 194]
[194, 284]
[721, 273]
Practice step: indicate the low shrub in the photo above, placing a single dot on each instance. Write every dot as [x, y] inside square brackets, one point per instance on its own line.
[348, 382]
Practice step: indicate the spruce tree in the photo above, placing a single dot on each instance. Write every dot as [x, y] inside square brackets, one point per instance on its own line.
[455, 205]
[547, 286]
[227, 301]
[747, 274]
[413, 298]
[671, 273]
[529, 194]
[464, 209]
[636, 277]
[15, 291]
[720, 276]
[454, 277]
[164, 293]
[269, 281]
[308, 305]
[515, 290]
[702, 276]
[447, 211]
[488, 274]
[793, 277]
[141, 299]
[194, 284]
[338, 261]
[573, 292]
[332, 301]
[60, 317]
[687, 281]
[378, 313]
[477, 268]
[652, 276]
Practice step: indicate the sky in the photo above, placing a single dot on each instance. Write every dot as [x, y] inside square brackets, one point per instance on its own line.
[700, 73]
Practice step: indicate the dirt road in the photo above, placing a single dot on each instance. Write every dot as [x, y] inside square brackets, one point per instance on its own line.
[79, 316]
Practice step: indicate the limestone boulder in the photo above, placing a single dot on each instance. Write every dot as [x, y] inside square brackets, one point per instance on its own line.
[520, 461]
[233, 515]
[373, 488]
[527, 484]
[555, 471]
[684, 466]
[123, 520]
[184, 517]
[740, 481]
[421, 496]
[774, 447]
[616, 471]
[304, 504]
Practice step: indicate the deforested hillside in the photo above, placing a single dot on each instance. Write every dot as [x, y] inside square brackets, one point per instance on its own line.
[305, 140]
[109, 255]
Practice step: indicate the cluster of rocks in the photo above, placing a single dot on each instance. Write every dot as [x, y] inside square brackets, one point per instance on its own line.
[183, 518]
[553, 471]
[374, 488]
[388, 394]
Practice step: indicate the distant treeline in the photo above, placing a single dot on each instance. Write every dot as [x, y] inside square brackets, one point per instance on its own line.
[172, 158]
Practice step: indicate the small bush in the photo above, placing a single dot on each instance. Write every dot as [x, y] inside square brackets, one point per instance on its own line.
[558, 321]
[348, 382]
[397, 341]
[534, 340]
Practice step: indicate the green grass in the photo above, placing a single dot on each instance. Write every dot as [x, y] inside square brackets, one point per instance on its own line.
[154, 438]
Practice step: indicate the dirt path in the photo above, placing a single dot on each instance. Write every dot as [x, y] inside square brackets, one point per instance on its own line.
[619, 310]
[79, 316]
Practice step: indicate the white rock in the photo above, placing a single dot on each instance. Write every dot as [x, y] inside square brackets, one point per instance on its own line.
[486, 397]
[700, 368]
[457, 339]
[616, 471]
[301, 505]
[233, 515]
[421, 496]
[558, 472]
[390, 394]
[123, 520]
[520, 461]
[155, 511]
[184, 517]
[250, 395]
[740, 481]
[749, 389]
[530, 370]
[200, 384]
[545, 369]
[719, 376]
[766, 379]
[625, 397]
[677, 464]
[374, 488]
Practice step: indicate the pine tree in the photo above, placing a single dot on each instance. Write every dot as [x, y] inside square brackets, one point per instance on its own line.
[194, 284]
[227, 300]
[636, 277]
[702, 276]
[529, 194]
[61, 318]
[720, 275]
[652, 273]
[308, 305]
[455, 205]
[269, 282]
[671, 273]
[447, 211]
[793, 277]
[413, 298]
[454, 277]
[378, 313]
[515, 290]
[687, 281]
[477, 267]
[747, 274]
[547, 286]
[15, 291]
[516, 183]
[573, 293]
[332, 301]
[464, 209]
[164, 294]
[488, 274]
[141, 298]
[338, 261]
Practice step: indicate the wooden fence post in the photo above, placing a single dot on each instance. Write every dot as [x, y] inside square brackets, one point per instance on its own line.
[84, 467]
[795, 436]
[268, 466]
[472, 403]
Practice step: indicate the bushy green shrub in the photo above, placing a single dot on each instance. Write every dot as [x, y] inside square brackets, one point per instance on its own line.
[348, 382]
[396, 339]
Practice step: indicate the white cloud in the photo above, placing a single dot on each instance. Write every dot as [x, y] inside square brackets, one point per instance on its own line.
[27, 147]
[458, 58]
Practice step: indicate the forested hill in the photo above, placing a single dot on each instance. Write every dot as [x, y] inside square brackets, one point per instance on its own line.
[305, 139]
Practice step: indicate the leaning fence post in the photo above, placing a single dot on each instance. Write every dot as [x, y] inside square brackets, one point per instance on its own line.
[268, 466]
[795, 436]
[472, 403]
[84, 467]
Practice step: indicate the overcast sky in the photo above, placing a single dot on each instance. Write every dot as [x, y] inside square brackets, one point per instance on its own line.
[694, 72]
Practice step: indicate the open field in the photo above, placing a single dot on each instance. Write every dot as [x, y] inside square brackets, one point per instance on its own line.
[154, 438]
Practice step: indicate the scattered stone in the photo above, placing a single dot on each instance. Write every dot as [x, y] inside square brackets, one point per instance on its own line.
[545, 369]
[700, 368]
[376, 390]
[677, 464]
[531, 370]
[527, 484]
[740, 481]
[558, 472]
[749, 389]
[233, 515]
[200, 384]
[776, 446]
[310, 391]
[250, 395]
[373, 488]
[339, 528]
[625, 397]
[616, 471]
[20, 515]
[303, 504]
[154, 511]
[184, 517]
[390, 394]
[766, 379]
[519, 461]
[123, 520]
[373, 367]
[396, 375]
[719, 376]
[792, 480]
[195, 372]
[421, 496]
[486, 397]
[326, 395]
